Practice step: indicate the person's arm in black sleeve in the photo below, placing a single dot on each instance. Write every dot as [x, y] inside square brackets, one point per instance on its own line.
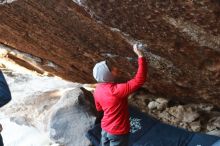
[5, 94]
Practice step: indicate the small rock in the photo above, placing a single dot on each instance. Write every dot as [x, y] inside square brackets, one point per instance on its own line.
[152, 105]
[195, 126]
[184, 114]
[177, 111]
[162, 103]
[214, 132]
[162, 100]
[190, 116]
[159, 104]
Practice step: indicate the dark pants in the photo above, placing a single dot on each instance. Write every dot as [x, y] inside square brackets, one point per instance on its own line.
[114, 140]
[1, 141]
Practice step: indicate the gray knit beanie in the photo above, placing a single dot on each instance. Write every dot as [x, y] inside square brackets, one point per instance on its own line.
[102, 73]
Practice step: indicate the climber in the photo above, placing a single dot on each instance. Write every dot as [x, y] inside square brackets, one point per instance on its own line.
[112, 98]
[5, 97]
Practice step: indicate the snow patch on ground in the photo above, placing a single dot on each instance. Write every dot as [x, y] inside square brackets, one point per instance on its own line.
[17, 135]
[26, 85]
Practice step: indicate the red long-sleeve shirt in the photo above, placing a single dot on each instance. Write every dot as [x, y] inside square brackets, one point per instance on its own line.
[112, 98]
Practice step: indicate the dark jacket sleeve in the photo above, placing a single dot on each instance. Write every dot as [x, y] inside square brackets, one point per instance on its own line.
[5, 94]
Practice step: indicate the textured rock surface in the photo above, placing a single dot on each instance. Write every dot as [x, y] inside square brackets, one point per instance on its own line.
[60, 34]
[182, 36]
[71, 120]
[193, 117]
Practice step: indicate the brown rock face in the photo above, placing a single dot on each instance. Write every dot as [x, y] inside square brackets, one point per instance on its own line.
[66, 40]
[182, 37]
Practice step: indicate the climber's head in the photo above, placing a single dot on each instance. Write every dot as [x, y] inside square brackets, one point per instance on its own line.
[104, 71]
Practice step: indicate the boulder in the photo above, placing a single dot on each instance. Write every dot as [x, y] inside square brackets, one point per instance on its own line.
[71, 119]
[66, 38]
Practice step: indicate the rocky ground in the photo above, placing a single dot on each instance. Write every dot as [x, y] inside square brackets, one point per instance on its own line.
[201, 117]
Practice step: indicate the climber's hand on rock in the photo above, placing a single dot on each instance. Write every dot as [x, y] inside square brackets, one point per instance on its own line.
[138, 51]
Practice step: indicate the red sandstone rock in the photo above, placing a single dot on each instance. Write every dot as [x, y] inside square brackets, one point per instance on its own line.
[182, 36]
